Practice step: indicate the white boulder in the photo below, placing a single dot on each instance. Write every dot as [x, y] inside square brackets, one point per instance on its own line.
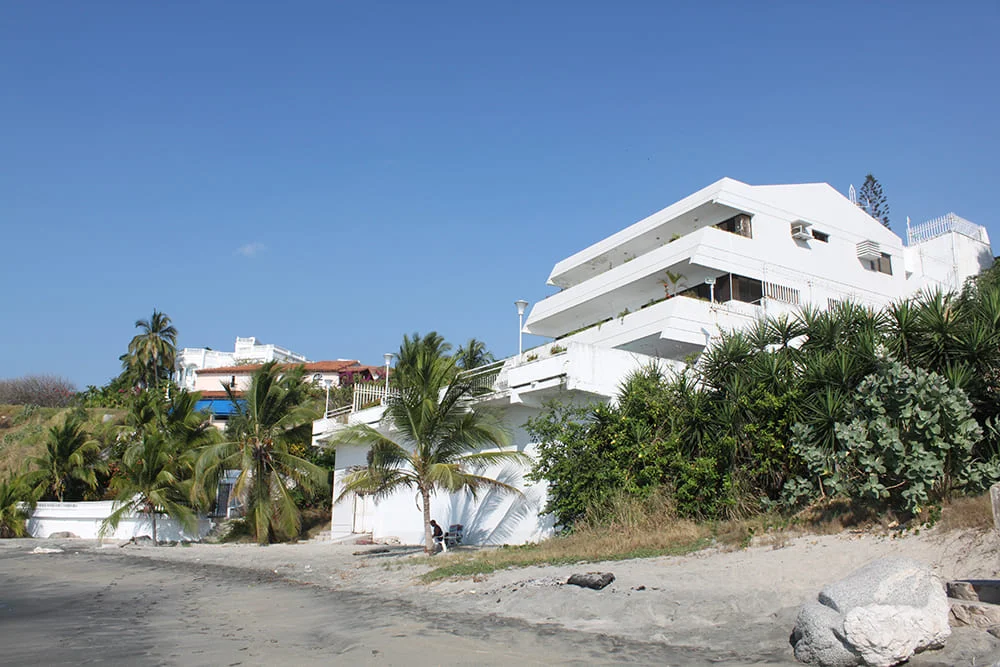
[879, 615]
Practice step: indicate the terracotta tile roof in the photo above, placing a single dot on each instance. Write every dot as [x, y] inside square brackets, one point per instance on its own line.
[335, 366]
[217, 394]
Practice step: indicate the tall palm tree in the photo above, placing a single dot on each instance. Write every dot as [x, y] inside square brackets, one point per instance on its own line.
[473, 355]
[270, 418]
[150, 480]
[71, 460]
[432, 437]
[155, 349]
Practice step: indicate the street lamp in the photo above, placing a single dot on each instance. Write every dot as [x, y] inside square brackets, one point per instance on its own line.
[388, 358]
[710, 281]
[327, 384]
[521, 305]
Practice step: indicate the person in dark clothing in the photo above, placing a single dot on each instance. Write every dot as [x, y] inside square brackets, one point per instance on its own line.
[437, 534]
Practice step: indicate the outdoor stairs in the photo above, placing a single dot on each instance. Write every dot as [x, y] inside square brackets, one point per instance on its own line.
[342, 538]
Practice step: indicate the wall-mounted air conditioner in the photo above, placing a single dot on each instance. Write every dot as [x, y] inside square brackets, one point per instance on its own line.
[801, 232]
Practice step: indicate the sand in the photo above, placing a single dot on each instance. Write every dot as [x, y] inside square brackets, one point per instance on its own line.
[310, 602]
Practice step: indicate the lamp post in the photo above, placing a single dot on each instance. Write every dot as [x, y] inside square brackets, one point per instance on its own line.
[388, 358]
[711, 288]
[327, 384]
[521, 305]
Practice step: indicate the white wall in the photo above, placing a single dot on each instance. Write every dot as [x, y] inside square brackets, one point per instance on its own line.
[84, 520]
[491, 518]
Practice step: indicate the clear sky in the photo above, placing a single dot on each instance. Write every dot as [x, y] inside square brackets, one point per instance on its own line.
[328, 176]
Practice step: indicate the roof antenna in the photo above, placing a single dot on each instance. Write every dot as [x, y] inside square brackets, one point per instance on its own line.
[852, 194]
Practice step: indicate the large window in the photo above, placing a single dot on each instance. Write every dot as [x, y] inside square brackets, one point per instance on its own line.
[738, 224]
[729, 287]
[883, 264]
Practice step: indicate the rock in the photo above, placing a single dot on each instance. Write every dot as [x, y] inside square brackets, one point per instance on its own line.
[882, 614]
[46, 550]
[63, 534]
[974, 614]
[980, 590]
[595, 580]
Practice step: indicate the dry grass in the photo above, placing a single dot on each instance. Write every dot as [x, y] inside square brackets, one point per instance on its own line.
[630, 528]
[23, 431]
[967, 513]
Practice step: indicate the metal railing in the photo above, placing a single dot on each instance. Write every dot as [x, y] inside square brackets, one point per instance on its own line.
[945, 224]
[370, 395]
[484, 379]
[339, 415]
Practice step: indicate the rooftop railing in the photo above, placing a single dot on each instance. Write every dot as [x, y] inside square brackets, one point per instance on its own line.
[946, 224]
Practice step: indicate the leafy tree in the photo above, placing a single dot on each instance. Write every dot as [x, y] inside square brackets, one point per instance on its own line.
[16, 497]
[872, 200]
[433, 436]
[70, 463]
[151, 353]
[473, 355]
[271, 417]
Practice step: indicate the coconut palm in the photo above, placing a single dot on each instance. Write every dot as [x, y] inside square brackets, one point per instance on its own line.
[431, 436]
[151, 353]
[71, 461]
[16, 497]
[270, 418]
[150, 479]
[473, 355]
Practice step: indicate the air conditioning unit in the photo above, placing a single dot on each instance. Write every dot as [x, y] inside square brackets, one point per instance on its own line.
[869, 250]
[801, 232]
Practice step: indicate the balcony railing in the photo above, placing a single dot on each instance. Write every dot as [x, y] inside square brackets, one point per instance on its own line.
[484, 379]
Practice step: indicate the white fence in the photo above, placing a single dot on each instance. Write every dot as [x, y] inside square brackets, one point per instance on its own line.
[943, 225]
[368, 395]
[84, 520]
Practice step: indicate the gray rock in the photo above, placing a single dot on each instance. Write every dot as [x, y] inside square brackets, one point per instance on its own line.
[882, 614]
[63, 534]
[981, 590]
[818, 637]
[595, 580]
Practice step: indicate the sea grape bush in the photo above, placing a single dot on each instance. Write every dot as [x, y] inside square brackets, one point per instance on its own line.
[908, 445]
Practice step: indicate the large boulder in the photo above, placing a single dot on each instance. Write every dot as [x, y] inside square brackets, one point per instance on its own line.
[879, 615]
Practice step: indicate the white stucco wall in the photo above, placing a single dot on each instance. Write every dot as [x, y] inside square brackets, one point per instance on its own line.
[491, 518]
[84, 520]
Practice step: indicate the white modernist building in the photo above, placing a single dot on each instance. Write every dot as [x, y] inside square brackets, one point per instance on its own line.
[660, 291]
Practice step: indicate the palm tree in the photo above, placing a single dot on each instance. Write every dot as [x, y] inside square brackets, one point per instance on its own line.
[150, 480]
[16, 496]
[71, 460]
[154, 349]
[473, 355]
[432, 437]
[270, 418]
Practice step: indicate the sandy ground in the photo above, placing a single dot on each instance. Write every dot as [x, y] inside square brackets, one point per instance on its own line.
[243, 604]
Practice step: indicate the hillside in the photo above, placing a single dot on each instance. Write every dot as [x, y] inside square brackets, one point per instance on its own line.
[23, 429]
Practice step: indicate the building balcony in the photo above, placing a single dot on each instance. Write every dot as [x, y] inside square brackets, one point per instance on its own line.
[628, 287]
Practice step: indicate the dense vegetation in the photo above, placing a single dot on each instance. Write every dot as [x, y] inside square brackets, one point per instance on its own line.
[156, 454]
[894, 410]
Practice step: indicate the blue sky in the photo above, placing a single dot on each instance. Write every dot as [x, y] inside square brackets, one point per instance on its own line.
[329, 176]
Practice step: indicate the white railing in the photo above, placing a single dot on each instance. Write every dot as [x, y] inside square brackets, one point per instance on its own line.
[485, 378]
[339, 414]
[370, 395]
[947, 223]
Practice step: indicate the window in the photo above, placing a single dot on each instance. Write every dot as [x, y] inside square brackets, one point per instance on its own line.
[820, 236]
[883, 264]
[738, 224]
[729, 287]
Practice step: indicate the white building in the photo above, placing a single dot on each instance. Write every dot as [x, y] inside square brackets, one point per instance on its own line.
[659, 291]
[246, 351]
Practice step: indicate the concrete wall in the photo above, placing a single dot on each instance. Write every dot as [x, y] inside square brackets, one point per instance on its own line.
[490, 518]
[84, 520]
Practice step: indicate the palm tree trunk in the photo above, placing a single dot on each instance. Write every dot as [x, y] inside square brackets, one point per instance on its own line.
[155, 542]
[425, 497]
